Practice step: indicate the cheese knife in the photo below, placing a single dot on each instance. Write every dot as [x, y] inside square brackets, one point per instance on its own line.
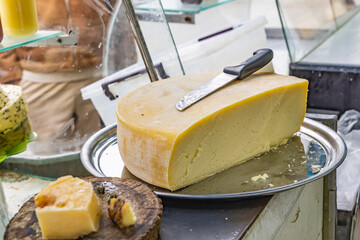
[259, 59]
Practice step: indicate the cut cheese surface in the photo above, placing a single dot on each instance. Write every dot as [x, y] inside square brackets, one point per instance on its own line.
[3, 97]
[173, 149]
[15, 110]
[67, 208]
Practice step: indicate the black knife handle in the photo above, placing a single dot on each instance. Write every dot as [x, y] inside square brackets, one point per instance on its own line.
[260, 58]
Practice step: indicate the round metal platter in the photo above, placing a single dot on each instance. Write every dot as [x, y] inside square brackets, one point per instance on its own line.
[312, 153]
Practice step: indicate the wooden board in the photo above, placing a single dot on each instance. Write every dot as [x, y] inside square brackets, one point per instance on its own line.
[146, 205]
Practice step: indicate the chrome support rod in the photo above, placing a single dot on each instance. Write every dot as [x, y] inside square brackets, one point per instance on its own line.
[130, 12]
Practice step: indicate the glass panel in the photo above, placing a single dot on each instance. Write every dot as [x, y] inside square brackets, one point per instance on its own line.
[51, 78]
[157, 36]
[231, 14]
[159, 39]
[105, 93]
[215, 50]
[185, 6]
[309, 24]
[119, 31]
[305, 27]
[11, 43]
[342, 48]
[343, 11]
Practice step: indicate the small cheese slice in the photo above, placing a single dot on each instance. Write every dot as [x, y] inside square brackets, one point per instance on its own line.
[15, 110]
[3, 97]
[121, 213]
[67, 209]
[173, 149]
[128, 214]
[257, 177]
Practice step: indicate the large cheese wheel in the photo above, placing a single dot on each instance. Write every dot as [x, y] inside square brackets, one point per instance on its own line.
[173, 149]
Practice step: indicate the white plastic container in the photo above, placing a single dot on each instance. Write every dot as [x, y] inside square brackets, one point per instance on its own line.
[211, 53]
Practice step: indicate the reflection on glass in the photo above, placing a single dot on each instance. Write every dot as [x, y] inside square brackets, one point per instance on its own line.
[159, 39]
[118, 36]
[51, 77]
[307, 24]
[343, 10]
[120, 80]
[157, 36]
[334, 51]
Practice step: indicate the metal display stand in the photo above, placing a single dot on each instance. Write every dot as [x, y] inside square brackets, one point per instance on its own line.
[140, 40]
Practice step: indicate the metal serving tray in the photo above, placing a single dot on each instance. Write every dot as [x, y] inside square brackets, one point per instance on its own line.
[312, 153]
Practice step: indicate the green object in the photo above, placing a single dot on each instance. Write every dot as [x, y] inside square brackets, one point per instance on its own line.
[21, 147]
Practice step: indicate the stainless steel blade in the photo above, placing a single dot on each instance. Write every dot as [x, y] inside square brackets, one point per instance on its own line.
[204, 90]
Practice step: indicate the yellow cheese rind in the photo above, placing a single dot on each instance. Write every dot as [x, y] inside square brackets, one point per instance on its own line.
[15, 110]
[67, 209]
[173, 149]
[3, 97]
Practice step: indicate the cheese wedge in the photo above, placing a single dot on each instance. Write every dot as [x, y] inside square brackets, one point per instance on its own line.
[67, 209]
[128, 215]
[3, 97]
[173, 149]
[15, 110]
[121, 213]
[13, 136]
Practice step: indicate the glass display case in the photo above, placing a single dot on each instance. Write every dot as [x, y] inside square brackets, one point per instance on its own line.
[103, 67]
[52, 76]
[308, 24]
[323, 43]
[200, 48]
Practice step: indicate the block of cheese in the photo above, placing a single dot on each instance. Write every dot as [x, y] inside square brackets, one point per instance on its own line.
[173, 149]
[3, 97]
[15, 110]
[15, 126]
[15, 135]
[67, 209]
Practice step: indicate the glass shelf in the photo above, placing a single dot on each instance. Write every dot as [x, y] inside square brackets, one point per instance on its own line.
[176, 6]
[11, 43]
